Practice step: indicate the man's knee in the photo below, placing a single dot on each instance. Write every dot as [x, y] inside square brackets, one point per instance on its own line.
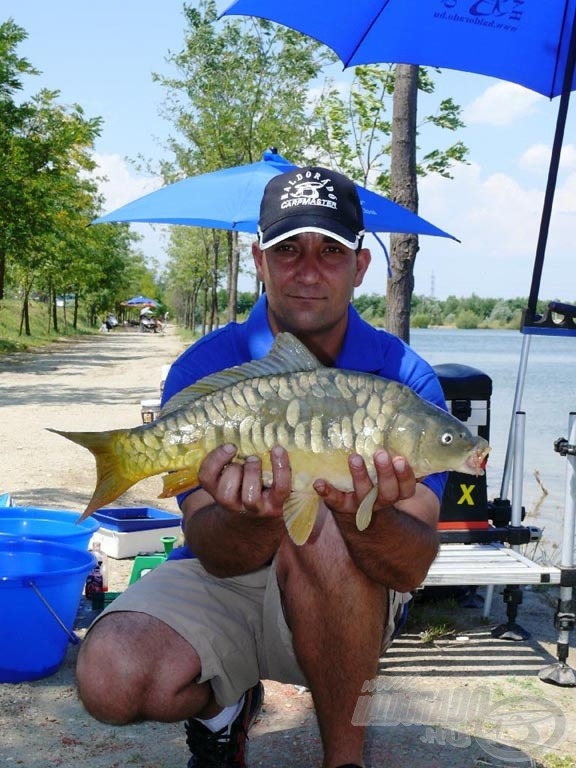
[133, 667]
[113, 671]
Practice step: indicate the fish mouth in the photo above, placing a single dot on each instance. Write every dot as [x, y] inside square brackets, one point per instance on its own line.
[476, 460]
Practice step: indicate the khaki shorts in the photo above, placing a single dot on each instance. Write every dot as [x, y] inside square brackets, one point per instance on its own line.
[236, 625]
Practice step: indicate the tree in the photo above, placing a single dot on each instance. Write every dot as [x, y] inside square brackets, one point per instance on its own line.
[48, 197]
[12, 118]
[404, 190]
[193, 273]
[242, 86]
[404, 184]
[52, 198]
[363, 142]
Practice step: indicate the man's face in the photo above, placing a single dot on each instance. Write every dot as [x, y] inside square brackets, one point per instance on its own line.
[309, 281]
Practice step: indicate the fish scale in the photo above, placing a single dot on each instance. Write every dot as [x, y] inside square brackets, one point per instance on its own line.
[319, 415]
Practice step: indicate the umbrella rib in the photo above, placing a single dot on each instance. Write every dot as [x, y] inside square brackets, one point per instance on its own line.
[365, 34]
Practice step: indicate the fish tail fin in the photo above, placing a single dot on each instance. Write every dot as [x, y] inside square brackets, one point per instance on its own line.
[111, 481]
[300, 512]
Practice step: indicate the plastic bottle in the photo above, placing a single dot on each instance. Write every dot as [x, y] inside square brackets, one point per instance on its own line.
[97, 580]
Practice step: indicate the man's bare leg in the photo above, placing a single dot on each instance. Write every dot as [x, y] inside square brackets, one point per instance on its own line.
[336, 616]
[133, 667]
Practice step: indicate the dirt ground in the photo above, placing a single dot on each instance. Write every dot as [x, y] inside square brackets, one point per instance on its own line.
[465, 699]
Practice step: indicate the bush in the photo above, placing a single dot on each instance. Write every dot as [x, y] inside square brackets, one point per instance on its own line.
[467, 320]
[420, 320]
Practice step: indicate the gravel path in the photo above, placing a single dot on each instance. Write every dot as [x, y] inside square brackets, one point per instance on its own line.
[464, 701]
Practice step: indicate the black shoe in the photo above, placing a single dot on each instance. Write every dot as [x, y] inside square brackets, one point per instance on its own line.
[225, 748]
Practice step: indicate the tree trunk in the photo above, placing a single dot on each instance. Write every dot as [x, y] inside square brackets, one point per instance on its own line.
[404, 190]
[25, 314]
[205, 311]
[214, 289]
[234, 255]
[2, 273]
[54, 309]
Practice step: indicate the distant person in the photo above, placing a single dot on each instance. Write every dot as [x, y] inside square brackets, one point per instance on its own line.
[111, 322]
[108, 323]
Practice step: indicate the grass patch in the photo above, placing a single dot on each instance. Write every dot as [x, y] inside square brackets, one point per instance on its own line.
[435, 632]
[12, 341]
[438, 614]
[557, 761]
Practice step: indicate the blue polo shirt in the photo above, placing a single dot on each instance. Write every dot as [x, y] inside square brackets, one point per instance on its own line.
[365, 349]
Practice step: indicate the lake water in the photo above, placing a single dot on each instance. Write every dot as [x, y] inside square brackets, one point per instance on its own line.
[549, 396]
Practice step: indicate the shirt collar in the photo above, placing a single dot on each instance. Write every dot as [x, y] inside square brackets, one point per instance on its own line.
[353, 356]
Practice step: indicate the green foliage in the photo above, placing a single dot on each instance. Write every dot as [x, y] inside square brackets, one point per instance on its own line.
[460, 312]
[354, 128]
[245, 302]
[240, 87]
[466, 319]
[48, 198]
[420, 320]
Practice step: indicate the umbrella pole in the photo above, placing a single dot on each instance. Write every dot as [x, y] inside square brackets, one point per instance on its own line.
[560, 673]
[552, 179]
[517, 406]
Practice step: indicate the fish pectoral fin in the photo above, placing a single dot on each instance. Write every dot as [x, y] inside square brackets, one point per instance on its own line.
[179, 481]
[300, 512]
[364, 513]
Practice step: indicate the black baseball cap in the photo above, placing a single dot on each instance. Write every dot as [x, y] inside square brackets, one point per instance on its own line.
[311, 199]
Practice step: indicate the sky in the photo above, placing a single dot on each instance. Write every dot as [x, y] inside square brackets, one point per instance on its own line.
[102, 55]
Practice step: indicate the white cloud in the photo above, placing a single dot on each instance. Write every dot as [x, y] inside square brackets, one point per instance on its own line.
[565, 197]
[568, 156]
[537, 158]
[497, 218]
[502, 104]
[123, 184]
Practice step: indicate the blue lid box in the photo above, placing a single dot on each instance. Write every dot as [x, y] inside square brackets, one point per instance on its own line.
[127, 519]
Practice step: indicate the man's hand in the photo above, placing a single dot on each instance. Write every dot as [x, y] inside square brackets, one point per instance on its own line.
[238, 487]
[401, 541]
[394, 478]
[232, 523]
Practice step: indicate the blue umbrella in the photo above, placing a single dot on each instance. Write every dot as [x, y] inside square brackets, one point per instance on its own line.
[230, 199]
[140, 301]
[532, 43]
[523, 41]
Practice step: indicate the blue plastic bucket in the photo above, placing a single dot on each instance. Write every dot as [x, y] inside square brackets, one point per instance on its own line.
[57, 525]
[40, 589]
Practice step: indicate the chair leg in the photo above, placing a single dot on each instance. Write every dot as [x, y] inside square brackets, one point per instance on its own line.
[511, 630]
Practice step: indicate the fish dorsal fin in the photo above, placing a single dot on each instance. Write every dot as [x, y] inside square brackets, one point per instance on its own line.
[287, 355]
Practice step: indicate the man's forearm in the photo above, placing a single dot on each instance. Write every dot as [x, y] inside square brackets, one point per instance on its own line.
[230, 544]
[396, 549]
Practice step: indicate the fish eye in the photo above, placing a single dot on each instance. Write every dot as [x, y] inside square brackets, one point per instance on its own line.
[447, 438]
